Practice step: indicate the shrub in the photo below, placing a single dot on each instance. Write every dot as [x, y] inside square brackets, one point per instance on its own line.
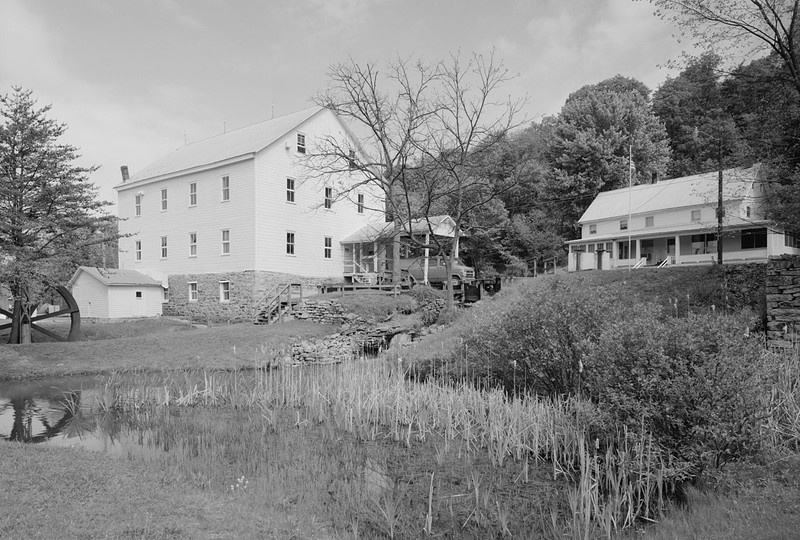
[696, 383]
[534, 341]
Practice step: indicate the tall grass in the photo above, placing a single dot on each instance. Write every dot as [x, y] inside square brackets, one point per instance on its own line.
[614, 483]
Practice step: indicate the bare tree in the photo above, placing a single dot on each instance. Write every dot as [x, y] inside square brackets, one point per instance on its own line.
[386, 110]
[428, 131]
[462, 138]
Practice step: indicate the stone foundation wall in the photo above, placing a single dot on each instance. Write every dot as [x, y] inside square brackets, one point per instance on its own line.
[246, 289]
[783, 301]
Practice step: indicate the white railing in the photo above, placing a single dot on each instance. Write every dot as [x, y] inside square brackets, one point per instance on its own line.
[666, 262]
[640, 263]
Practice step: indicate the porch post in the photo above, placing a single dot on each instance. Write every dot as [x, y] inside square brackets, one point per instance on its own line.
[638, 248]
[375, 256]
[614, 253]
[427, 255]
[677, 249]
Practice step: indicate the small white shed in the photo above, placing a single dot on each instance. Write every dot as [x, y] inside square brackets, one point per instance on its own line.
[112, 293]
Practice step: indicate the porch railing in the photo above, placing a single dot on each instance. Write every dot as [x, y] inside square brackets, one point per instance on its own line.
[666, 262]
[640, 263]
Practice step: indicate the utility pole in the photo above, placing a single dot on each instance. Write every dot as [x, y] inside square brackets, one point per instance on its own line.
[720, 207]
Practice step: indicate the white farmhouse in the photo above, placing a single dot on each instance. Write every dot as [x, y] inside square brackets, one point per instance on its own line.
[223, 221]
[675, 222]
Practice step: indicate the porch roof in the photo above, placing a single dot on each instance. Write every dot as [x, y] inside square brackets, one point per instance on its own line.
[733, 224]
[442, 226]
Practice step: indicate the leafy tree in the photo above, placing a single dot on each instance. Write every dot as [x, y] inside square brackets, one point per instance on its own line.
[741, 27]
[764, 93]
[695, 114]
[49, 216]
[597, 131]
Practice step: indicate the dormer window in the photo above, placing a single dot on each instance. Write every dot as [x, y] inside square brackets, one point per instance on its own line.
[649, 221]
[301, 143]
[695, 216]
[623, 224]
[593, 228]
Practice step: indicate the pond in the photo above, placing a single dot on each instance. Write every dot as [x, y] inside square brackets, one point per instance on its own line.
[69, 412]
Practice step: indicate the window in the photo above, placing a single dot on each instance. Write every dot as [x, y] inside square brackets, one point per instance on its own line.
[290, 190]
[138, 250]
[192, 291]
[623, 224]
[351, 160]
[754, 238]
[301, 143]
[591, 248]
[360, 203]
[328, 197]
[193, 194]
[139, 295]
[328, 247]
[165, 296]
[792, 241]
[226, 242]
[192, 244]
[163, 199]
[593, 229]
[290, 243]
[747, 211]
[695, 216]
[649, 221]
[137, 207]
[163, 247]
[224, 291]
[703, 244]
[226, 188]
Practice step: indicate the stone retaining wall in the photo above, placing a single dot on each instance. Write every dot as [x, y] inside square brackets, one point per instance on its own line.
[783, 301]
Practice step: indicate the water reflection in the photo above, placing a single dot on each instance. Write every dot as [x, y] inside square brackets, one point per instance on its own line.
[64, 412]
[38, 411]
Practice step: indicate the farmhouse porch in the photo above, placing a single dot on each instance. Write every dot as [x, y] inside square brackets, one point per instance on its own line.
[690, 246]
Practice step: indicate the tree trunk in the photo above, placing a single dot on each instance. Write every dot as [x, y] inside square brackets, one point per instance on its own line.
[16, 322]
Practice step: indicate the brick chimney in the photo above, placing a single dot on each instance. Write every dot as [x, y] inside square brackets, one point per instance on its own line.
[124, 171]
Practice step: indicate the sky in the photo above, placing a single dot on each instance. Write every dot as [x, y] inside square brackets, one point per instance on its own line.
[135, 80]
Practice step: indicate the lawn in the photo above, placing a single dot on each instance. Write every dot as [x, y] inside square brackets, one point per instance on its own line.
[155, 345]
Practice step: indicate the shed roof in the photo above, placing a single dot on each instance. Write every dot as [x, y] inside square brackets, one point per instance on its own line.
[229, 145]
[115, 277]
[696, 190]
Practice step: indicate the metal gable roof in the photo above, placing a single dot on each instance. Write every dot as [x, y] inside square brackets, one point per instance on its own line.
[115, 276]
[687, 191]
[233, 144]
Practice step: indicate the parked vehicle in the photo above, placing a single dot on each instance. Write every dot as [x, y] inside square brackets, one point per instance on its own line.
[437, 272]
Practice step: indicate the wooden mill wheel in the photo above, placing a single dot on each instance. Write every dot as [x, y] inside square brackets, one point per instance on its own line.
[68, 307]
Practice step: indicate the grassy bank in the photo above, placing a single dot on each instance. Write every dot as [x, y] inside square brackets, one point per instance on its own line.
[155, 345]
